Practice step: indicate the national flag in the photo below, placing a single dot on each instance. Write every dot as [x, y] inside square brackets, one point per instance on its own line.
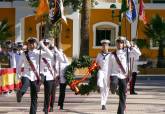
[8, 80]
[131, 14]
[142, 16]
[56, 11]
[43, 8]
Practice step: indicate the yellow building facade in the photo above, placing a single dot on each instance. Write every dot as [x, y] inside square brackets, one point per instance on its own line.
[9, 15]
[100, 20]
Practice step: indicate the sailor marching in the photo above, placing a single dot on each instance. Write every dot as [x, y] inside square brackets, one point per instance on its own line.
[103, 81]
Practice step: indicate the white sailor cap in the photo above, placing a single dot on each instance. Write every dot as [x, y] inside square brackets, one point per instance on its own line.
[121, 39]
[46, 40]
[32, 40]
[105, 41]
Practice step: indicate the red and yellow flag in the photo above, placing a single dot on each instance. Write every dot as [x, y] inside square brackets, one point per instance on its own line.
[8, 80]
[43, 8]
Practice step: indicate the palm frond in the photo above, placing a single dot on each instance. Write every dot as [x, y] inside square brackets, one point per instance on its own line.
[5, 32]
[156, 28]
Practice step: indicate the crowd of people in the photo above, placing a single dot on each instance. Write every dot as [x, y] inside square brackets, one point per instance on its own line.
[37, 62]
[40, 62]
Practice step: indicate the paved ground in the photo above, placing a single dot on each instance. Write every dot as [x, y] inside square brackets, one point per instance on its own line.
[150, 100]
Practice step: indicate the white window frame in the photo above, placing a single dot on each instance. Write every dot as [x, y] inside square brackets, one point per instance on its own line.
[99, 24]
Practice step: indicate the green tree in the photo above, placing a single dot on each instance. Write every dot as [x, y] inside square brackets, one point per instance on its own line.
[155, 30]
[5, 32]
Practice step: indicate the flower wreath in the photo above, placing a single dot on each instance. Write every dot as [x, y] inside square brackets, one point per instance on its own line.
[82, 62]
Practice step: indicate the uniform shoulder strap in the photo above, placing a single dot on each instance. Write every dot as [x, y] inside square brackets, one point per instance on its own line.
[31, 65]
[119, 62]
[48, 65]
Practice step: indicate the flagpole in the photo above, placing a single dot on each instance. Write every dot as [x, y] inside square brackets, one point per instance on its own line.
[126, 27]
[40, 37]
[137, 23]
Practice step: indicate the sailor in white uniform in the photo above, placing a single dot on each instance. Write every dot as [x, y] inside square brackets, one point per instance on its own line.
[118, 71]
[134, 68]
[14, 56]
[103, 79]
[47, 73]
[61, 66]
[30, 75]
[57, 57]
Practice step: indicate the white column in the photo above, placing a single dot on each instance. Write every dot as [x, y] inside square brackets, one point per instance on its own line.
[76, 33]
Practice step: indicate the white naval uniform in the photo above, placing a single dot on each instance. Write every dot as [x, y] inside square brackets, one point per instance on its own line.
[34, 57]
[14, 59]
[115, 70]
[118, 77]
[134, 58]
[60, 66]
[103, 80]
[51, 60]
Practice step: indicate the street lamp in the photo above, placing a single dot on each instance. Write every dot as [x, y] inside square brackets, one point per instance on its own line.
[113, 7]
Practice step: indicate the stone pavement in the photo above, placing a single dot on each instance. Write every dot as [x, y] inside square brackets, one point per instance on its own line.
[150, 100]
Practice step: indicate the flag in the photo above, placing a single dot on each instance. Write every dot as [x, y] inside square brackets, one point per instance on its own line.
[43, 8]
[8, 80]
[62, 12]
[56, 11]
[131, 14]
[142, 16]
[124, 6]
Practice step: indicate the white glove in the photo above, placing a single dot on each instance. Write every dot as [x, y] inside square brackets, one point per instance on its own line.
[18, 76]
[55, 48]
[127, 43]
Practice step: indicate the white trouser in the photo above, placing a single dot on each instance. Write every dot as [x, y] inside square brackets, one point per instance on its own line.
[102, 79]
[104, 95]
[103, 83]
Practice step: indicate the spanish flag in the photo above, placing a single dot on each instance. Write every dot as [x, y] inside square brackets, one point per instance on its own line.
[43, 8]
[8, 80]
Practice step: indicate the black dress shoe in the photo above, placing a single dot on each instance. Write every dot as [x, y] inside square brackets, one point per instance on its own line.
[103, 107]
[19, 96]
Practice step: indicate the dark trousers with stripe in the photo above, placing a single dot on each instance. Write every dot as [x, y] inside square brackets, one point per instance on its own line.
[121, 84]
[33, 94]
[132, 82]
[25, 85]
[47, 94]
[62, 95]
[53, 92]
